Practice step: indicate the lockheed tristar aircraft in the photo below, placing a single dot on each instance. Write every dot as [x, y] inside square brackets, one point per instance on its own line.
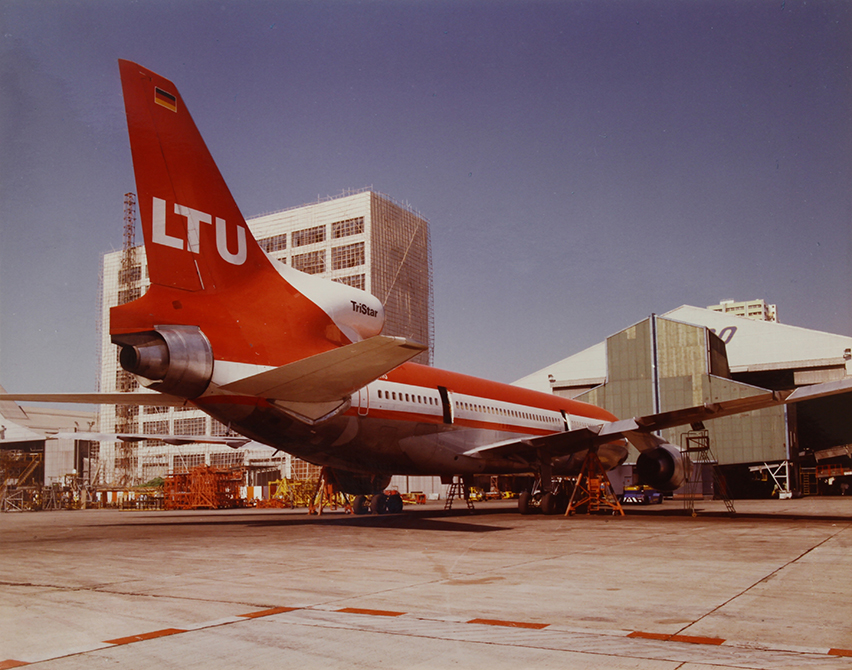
[298, 363]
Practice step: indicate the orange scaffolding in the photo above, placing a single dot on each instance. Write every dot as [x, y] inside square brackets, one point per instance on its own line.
[593, 491]
[203, 487]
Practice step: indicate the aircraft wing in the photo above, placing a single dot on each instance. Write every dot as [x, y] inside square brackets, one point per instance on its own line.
[331, 375]
[233, 442]
[142, 399]
[640, 430]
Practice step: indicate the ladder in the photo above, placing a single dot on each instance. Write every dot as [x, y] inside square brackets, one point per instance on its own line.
[593, 489]
[808, 481]
[697, 448]
[328, 494]
[457, 490]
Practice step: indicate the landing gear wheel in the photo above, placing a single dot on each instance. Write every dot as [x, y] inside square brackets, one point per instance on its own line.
[378, 504]
[524, 506]
[393, 505]
[548, 503]
[359, 505]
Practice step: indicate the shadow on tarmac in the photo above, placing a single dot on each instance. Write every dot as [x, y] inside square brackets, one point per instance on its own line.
[432, 520]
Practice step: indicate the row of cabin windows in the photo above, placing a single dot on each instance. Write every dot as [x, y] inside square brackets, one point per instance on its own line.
[405, 397]
[512, 413]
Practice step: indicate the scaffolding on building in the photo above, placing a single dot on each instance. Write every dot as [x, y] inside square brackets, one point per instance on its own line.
[19, 488]
[360, 238]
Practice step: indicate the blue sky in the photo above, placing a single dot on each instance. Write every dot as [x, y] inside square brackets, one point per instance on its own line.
[583, 164]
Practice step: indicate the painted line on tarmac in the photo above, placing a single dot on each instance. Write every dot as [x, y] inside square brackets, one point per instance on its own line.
[666, 637]
[510, 624]
[840, 652]
[10, 663]
[358, 610]
[412, 623]
[145, 636]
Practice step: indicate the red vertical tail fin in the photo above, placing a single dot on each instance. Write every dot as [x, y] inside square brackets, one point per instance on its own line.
[207, 271]
[184, 203]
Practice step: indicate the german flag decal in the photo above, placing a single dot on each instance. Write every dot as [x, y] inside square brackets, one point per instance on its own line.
[164, 99]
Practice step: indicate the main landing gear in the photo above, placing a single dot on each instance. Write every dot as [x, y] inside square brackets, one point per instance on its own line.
[553, 501]
[380, 503]
[590, 493]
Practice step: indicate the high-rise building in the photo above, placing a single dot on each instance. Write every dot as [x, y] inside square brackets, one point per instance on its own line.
[364, 239]
[751, 309]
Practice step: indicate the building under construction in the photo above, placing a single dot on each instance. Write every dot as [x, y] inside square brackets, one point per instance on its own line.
[363, 239]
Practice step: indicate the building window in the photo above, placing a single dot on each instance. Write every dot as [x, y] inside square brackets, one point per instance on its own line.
[185, 462]
[124, 381]
[274, 243]
[126, 295]
[156, 427]
[356, 281]
[309, 236]
[312, 262]
[227, 459]
[220, 429]
[196, 425]
[348, 256]
[132, 274]
[157, 409]
[346, 228]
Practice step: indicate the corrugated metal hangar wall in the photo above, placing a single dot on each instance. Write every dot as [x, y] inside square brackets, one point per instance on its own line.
[659, 365]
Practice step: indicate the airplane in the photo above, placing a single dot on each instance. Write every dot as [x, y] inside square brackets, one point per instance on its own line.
[298, 362]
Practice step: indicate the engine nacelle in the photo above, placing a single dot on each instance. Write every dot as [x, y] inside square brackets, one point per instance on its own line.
[173, 359]
[355, 483]
[664, 468]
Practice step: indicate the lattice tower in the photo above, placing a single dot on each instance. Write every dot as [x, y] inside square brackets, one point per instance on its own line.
[125, 415]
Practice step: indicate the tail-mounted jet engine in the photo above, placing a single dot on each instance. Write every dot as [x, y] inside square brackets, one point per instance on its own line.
[663, 467]
[174, 359]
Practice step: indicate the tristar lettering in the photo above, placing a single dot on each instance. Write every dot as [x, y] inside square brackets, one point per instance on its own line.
[361, 308]
[194, 219]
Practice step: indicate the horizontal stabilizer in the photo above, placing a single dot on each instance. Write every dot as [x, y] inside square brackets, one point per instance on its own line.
[140, 399]
[233, 442]
[331, 375]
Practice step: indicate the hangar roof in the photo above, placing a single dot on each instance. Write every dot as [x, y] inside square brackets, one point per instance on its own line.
[751, 346]
[765, 345]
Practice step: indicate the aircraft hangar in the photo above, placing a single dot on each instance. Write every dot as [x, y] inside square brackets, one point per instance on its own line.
[690, 356]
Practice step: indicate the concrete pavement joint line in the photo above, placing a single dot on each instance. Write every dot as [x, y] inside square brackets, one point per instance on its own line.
[765, 578]
[657, 651]
[524, 642]
[439, 580]
[268, 612]
[103, 589]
